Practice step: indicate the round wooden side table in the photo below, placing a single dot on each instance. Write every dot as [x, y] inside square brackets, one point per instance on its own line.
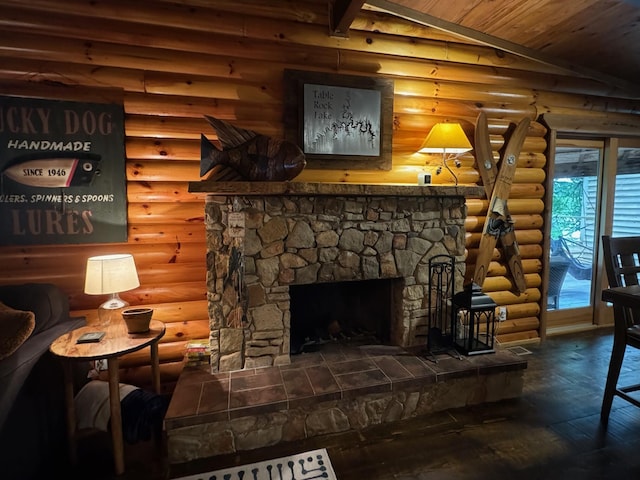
[115, 343]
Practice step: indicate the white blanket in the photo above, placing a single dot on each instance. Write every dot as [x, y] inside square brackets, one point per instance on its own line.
[92, 404]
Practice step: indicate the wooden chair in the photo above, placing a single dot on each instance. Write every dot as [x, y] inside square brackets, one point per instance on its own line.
[622, 263]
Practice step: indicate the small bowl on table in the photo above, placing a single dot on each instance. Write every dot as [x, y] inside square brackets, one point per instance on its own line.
[137, 319]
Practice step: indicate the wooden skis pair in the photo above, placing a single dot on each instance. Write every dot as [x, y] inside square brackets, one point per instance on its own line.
[498, 224]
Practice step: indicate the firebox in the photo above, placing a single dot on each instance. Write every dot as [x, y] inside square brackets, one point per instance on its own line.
[359, 311]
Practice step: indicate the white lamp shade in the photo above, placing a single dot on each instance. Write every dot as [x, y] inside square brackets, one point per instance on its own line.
[446, 138]
[110, 274]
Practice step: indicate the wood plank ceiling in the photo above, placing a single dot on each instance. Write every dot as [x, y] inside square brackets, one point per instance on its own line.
[591, 38]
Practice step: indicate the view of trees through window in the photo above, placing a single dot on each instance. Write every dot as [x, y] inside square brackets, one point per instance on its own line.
[573, 215]
[567, 206]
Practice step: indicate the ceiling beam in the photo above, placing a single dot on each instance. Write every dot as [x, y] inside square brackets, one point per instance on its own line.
[499, 43]
[341, 15]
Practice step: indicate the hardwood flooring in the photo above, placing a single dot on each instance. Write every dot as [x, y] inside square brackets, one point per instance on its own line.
[551, 432]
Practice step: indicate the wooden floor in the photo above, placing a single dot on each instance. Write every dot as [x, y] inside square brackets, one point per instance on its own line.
[551, 432]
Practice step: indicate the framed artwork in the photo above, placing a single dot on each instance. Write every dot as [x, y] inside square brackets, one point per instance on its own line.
[340, 121]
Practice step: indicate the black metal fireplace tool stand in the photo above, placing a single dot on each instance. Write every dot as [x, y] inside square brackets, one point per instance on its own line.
[441, 311]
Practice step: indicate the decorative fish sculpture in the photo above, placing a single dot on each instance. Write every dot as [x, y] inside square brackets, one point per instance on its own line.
[254, 156]
[54, 172]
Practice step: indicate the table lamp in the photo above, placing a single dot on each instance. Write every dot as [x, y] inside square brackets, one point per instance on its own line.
[110, 274]
[448, 139]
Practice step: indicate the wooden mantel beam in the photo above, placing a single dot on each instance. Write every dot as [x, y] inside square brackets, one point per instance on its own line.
[341, 15]
[247, 188]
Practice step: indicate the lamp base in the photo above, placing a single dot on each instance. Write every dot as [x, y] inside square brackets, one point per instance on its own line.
[111, 310]
[446, 158]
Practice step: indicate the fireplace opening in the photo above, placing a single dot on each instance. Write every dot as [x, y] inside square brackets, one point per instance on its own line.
[359, 311]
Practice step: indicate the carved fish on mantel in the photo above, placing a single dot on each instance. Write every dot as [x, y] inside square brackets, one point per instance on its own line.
[254, 156]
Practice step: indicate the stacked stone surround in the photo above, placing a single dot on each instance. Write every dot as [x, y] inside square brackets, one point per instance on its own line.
[260, 244]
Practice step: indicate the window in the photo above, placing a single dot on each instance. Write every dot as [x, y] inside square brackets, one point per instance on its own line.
[627, 186]
[573, 219]
[592, 184]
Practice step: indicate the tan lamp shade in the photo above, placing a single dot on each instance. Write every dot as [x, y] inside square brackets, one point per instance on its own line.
[110, 274]
[446, 138]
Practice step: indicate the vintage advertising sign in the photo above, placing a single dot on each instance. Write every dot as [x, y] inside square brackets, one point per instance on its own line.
[62, 172]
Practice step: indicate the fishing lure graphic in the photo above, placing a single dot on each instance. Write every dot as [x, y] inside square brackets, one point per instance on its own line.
[54, 172]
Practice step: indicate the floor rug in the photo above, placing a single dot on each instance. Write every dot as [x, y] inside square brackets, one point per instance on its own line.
[303, 466]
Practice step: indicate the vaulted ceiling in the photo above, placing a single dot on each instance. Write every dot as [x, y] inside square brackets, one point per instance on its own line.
[592, 38]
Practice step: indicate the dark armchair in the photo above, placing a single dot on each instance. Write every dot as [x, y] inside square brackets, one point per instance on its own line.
[32, 409]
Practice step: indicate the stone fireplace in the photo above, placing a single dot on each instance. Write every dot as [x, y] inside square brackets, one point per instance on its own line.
[284, 256]
[264, 238]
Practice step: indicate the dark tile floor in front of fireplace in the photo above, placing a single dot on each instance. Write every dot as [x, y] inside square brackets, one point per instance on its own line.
[338, 370]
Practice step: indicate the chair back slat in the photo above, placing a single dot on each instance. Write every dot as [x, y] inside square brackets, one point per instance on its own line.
[622, 264]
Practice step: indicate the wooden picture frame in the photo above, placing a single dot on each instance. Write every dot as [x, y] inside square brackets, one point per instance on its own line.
[339, 121]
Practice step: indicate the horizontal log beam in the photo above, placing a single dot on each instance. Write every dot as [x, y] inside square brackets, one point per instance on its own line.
[517, 325]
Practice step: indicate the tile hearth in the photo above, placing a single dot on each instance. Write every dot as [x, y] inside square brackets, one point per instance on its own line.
[343, 386]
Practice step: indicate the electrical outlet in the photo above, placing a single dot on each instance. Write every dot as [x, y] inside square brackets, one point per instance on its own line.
[502, 313]
[101, 365]
[424, 178]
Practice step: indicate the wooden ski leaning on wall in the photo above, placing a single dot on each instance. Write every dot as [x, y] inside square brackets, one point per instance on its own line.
[497, 184]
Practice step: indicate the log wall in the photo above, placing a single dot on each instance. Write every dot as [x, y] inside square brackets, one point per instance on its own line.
[174, 62]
